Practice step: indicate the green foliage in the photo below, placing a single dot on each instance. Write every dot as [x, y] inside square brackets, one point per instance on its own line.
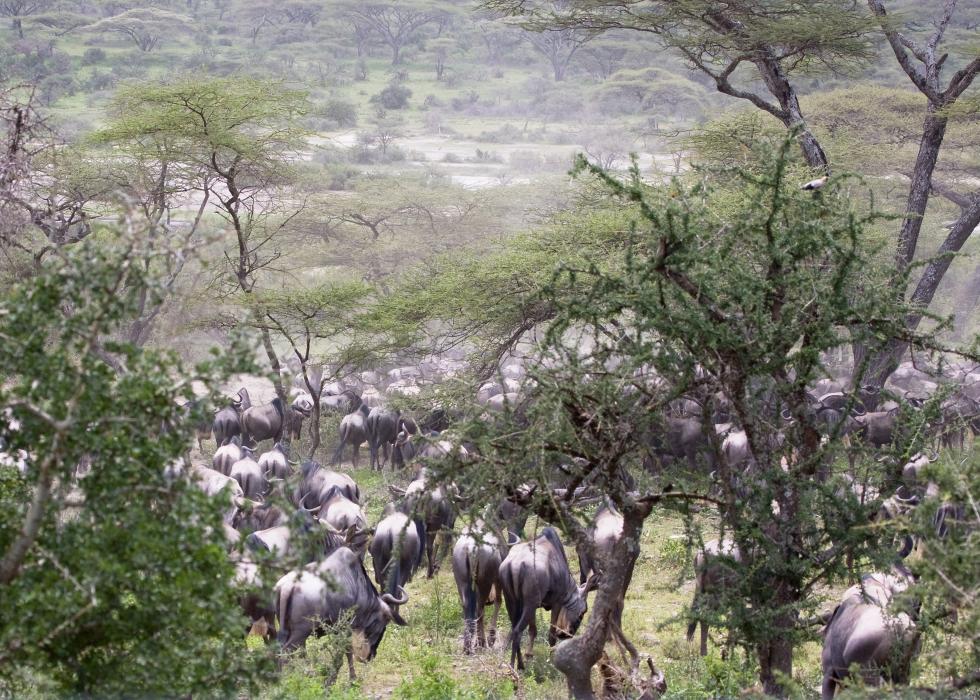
[394, 96]
[126, 556]
[431, 682]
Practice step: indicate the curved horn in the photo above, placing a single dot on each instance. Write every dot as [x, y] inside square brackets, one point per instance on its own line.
[786, 414]
[512, 538]
[858, 410]
[392, 600]
[907, 546]
[868, 389]
[310, 510]
[934, 457]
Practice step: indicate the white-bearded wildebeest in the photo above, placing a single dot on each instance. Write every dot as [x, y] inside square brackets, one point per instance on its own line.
[274, 463]
[215, 484]
[248, 473]
[536, 575]
[476, 566]
[226, 425]
[353, 431]
[713, 570]
[315, 479]
[261, 422]
[258, 516]
[344, 515]
[435, 509]
[382, 431]
[606, 529]
[309, 600]
[256, 605]
[867, 630]
[304, 539]
[396, 550]
[226, 456]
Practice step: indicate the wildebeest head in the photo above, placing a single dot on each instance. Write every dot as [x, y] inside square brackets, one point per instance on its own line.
[370, 629]
[574, 610]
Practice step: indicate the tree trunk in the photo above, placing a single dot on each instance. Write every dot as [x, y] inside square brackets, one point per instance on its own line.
[933, 131]
[576, 657]
[18, 24]
[776, 658]
[396, 54]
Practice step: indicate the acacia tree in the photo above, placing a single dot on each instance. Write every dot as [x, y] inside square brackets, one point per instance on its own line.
[145, 27]
[755, 50]
[17, 10]
[736, 284]
[396, 24]
[235, 139]
[307, 318]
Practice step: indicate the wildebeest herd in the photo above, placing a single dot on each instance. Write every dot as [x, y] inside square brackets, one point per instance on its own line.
[306, 520]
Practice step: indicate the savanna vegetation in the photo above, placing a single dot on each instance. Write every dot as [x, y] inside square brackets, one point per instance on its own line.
[705, 270]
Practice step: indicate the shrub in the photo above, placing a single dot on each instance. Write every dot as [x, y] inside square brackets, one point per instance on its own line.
[340, 112]
[394, 96]
[92, 56]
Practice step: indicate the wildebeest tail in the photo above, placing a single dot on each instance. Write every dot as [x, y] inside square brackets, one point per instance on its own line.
[469, 592]
[512, 597]
[283, 605]
[420, 557]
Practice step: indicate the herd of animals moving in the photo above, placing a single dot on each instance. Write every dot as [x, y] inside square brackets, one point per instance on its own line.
[325, 538]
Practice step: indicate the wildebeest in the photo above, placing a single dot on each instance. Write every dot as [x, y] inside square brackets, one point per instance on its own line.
[435, 509]
[476, 566]
[865, 629]
[353, 431]
[274, 463]
[303, 539]
[344, 515]
[248, 473]
[226, 455]
[226, 425]
[315, 479]
[215, 484]
[396, 550]
[261, 422]
[258, 607]
[713, 567]
[308, 600]
[382, 431]
[536, 575]
[258, 516]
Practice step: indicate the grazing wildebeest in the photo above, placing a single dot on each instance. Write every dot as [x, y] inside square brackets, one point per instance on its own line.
[226, 425]
[274, 463]
[713, 567]
[353, 431]
[476, 566]
[248, 473]
[865, 629]
[536, 575]
[382, 431]
[348, 401]
[344, 515]
[308, 600]
[301, 407]
[261, 422]
[396, 550]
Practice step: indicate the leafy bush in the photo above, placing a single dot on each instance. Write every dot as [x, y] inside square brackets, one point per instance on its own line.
[432, 683]
[393, 96]
[92, 56]
[340, 112]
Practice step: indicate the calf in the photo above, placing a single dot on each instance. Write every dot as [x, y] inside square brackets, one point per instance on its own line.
[536, 575]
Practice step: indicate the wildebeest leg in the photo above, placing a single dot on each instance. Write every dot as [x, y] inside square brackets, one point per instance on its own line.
[430, 541]
[373, 451]
[532, 632]
[481, 632]
[357, 448]
[385, 454]
[338, 453]
[829, 686]
[492, 639]
[350, 665]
